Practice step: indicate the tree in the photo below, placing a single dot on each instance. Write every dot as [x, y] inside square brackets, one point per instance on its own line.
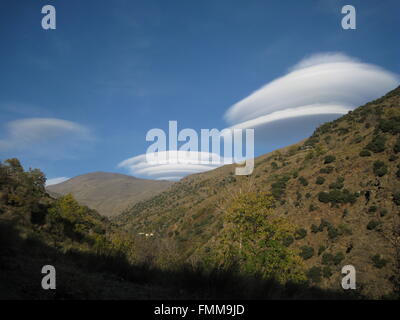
[256, 241]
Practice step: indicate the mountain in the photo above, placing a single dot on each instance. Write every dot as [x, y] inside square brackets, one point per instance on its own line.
[109, 193]
[340, 188]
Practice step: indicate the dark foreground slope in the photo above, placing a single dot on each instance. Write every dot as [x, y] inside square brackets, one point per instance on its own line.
[93, 260]
[341, 188]
[109, 193]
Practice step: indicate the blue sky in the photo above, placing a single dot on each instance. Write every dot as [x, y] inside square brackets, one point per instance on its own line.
[114, 70]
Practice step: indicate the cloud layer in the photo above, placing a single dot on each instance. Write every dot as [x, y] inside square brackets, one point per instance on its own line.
[172, 165]
[330, 83]
[42, 135]
[317, 89]
[54, 181]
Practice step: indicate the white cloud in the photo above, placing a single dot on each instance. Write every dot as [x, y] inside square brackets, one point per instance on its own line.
[40, 134]
[330, 83]
[54, 181]
[172, 165]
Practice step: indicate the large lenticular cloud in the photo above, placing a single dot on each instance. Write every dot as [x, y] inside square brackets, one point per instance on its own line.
[331, 83]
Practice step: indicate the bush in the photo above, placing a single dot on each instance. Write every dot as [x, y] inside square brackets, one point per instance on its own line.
[312, 208]
[314, 274]
[321, 249]
[326, 272]
[396, 147]
[378, 262]
[300, 233]
[314, 228]
[288, 241]
[383, 212]
[380, 168]
[338, 258]
[365, 153]
[338, 184]
[327, 169]
[337, 196]
[333, 233]
[329, 159]
[327, 259]
[303, 181]
[391, 125]
[320, 180]
[396, 198]
[324, 224]
[306, 252]
[323, 197]
[373, 224]
[377, 144]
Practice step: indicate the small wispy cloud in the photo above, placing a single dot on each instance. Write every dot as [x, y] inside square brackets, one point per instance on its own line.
[54, 181]
[327, 83]
[172, 165]
[42, 133]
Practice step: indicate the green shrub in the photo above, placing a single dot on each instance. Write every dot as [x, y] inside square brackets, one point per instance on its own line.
[383, 212]
[327, 169]
[365, 153]
[373, 224]
[323, 197]
[377, 144]
[391, 125]
[324, 224]
[380, 168]
[396, 147]
[338, 184]
[372, 209]
[312, 208]
[396, 198]
[300, 233]
[314, 274]
[329, 159]
[337, 196]
[338, 258]
[288, 241]
[321, 249]
[306, 252]
[303, 181]
[326, 272]
[378, 262]
[327, 259]
[320, 180]
[333, 233]
[314, 228]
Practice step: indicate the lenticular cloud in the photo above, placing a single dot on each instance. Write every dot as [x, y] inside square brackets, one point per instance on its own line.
[331, 83]
[173, 164]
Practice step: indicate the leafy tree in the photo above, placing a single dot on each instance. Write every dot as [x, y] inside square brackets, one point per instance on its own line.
[254, 239]
[320, 180]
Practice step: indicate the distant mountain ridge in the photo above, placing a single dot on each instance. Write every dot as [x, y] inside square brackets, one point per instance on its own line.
[109, 193]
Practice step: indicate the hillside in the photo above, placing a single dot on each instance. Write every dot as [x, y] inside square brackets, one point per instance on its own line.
[109, 193]
[93, 260]
[340, 188]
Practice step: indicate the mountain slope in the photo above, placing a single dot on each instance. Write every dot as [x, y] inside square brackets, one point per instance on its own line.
[341, 188]
[109, 193]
